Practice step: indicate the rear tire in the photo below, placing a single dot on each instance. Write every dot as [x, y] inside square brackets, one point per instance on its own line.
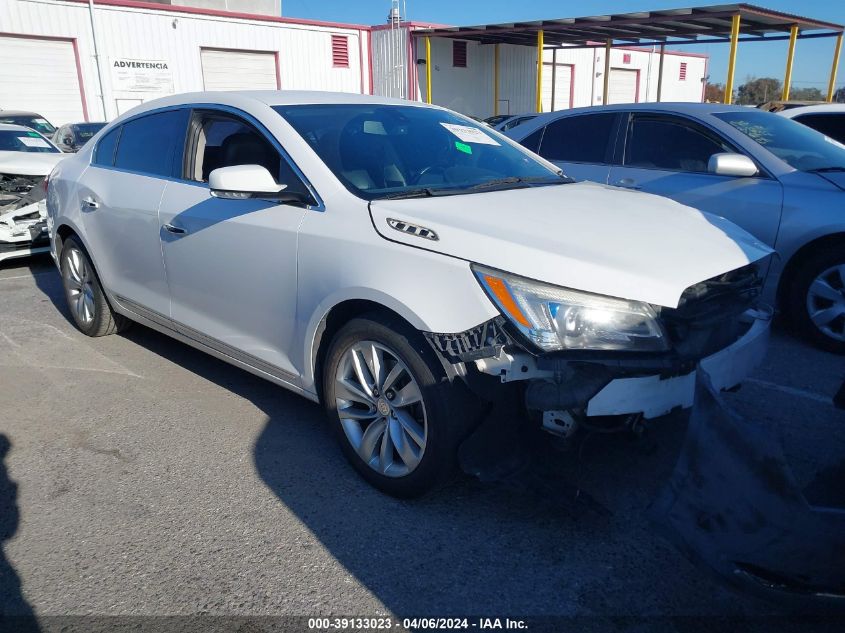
[397, 417]
[817, 293]
[85, 298]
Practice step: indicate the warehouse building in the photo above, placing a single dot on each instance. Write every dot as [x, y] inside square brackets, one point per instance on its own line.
[147, 50]
[69, 62]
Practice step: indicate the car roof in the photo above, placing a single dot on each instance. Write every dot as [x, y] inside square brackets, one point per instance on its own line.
[19, 113]
[11, 127]
[691, 109]
[815, 109]
[243, 98]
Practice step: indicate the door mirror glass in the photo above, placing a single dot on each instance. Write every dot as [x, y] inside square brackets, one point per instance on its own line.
[243, 181]
[726, 164]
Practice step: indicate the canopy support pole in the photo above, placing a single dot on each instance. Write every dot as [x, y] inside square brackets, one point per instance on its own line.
[428, 70]
[831, 87]
[729, 84]
[539, 71]
[606, 71]
[660, 73]
[790, 57]
[495, 79]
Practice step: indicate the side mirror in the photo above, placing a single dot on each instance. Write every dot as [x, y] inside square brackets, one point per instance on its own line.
[240, 182]
[728, 164]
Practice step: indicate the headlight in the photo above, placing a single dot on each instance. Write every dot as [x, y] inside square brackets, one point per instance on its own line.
[556, 318]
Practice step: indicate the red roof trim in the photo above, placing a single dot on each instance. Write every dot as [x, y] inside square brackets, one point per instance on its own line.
[138, 4]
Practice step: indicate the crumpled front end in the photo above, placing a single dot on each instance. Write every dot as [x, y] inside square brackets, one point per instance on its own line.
[23, 216]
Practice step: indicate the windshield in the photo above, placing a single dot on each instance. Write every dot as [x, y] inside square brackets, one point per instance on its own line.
[803, 148]
[22, 141]
[387, 151]
[36, 123]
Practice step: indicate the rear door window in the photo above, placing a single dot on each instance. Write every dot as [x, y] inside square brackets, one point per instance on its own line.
[153, 144]
[579, 139]
[670, 143]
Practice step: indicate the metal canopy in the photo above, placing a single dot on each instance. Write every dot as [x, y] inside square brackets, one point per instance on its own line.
[671, 26]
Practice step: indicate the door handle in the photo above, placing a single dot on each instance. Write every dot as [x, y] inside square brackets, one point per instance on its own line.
[628, 183]
[176, 230]
[89, 204]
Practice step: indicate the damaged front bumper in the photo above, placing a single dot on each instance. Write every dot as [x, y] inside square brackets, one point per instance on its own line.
[23, 217]
[615, 385]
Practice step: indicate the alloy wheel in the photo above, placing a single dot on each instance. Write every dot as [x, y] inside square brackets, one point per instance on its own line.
[826, 302]
[381, 409]
[79, 285]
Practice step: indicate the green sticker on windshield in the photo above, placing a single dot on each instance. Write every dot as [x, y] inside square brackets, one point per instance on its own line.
[463, 147]
[35, 134]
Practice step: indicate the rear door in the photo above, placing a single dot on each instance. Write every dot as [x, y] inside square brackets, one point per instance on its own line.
[119, 196]
[668, 155]
[231, 264]
[581, 145]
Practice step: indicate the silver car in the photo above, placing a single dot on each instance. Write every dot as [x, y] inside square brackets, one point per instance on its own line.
[781, 181]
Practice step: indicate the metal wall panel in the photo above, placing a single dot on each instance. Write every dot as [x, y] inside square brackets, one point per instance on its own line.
[151, 34]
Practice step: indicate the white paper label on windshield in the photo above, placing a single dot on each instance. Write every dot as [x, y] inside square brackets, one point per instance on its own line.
[470, 134]
[31, 141]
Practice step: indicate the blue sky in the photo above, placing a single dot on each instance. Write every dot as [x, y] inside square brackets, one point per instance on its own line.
[812, 57]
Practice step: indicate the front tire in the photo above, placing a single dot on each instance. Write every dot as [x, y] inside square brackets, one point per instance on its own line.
[395, 413]
[816, 299]
[86, 300]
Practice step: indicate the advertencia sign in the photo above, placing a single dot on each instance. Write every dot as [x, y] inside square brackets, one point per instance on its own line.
[141, 75]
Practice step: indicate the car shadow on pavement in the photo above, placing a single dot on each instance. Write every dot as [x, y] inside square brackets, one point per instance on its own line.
[15, 612]
[474, 548]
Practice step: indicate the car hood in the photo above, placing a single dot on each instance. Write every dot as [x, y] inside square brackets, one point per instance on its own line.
[28, 163]
[584, 236]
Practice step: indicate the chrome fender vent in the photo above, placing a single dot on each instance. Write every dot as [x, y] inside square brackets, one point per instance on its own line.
[412, 229]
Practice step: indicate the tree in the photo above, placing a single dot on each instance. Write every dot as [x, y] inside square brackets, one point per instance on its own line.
[806, 94]
[839, 95]
[714, 93]
[756, 91]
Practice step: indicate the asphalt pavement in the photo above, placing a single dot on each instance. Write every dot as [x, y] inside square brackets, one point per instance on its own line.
[142, 477]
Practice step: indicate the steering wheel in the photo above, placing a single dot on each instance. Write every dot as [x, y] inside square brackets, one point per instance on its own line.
[440, 169]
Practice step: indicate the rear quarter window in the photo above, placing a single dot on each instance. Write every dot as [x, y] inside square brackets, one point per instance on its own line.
[104, 152]
[579, 139]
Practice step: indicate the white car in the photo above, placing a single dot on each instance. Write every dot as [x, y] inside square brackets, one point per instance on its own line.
[402, 265]
[26, 158]
[828, 118]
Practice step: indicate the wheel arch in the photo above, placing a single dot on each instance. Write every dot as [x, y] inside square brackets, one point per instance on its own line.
[332, 321]
[802, 255]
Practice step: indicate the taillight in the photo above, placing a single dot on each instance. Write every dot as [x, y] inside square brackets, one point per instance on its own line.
[45, 182]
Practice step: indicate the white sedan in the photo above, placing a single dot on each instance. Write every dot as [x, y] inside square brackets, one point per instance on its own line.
[26, 157]
[829, 119]
[402, 265]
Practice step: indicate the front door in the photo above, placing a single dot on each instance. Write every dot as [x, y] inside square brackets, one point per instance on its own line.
[231, 264]
[668, 155]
